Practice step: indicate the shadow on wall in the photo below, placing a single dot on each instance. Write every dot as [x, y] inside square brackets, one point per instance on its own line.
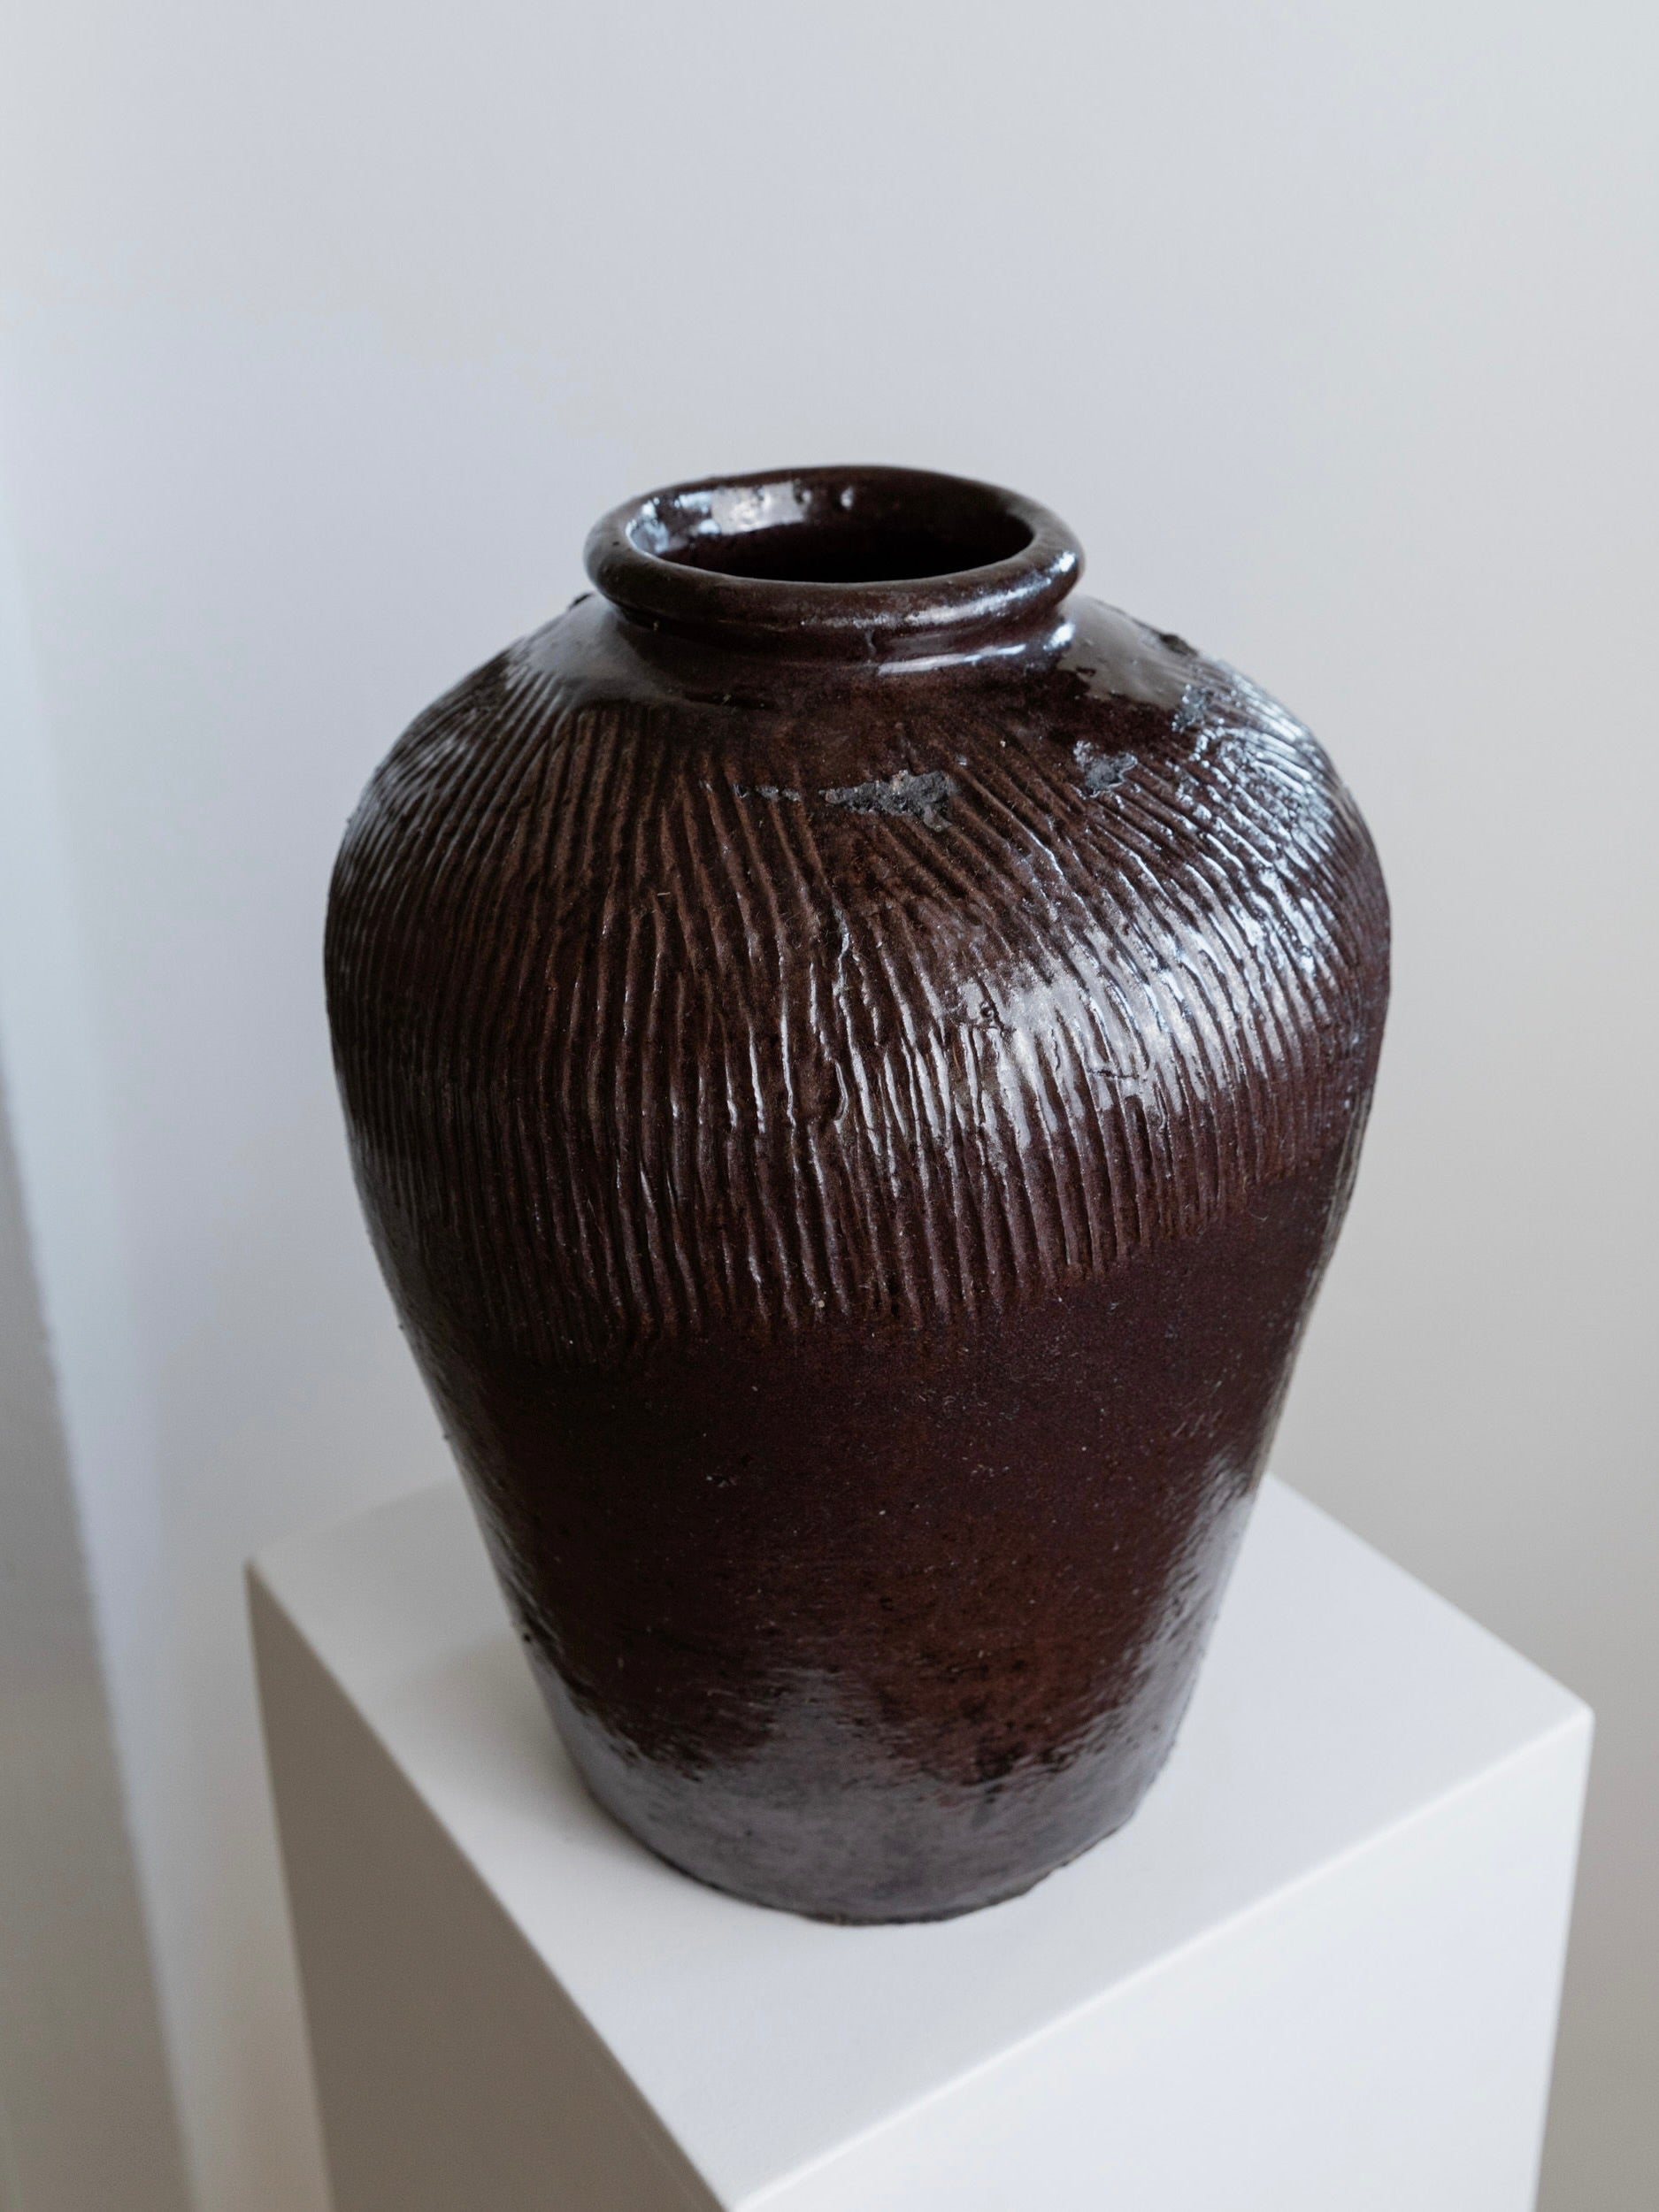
[86, 2110]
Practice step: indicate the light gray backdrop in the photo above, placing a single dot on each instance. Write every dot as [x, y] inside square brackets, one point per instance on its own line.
[331, 325]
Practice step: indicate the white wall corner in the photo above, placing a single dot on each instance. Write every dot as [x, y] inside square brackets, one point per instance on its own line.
[88, 2117]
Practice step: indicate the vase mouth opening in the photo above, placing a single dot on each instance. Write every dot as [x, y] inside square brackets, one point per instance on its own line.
[848, 563]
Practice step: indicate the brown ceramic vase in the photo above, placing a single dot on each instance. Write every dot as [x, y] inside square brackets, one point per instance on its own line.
[855, 1056]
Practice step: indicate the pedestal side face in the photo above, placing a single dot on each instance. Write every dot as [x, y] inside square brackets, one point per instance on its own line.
[453, 2072]
[1346, 1713]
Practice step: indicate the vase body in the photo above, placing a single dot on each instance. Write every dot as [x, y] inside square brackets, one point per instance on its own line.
[854, 1055]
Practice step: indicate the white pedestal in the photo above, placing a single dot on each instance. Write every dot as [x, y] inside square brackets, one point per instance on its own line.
[1318, 1973]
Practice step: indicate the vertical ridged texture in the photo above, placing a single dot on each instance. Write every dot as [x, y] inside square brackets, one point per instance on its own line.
[853, 1147]
[642, 1015]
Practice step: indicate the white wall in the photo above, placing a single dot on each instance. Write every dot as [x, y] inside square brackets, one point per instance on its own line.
[330, 327]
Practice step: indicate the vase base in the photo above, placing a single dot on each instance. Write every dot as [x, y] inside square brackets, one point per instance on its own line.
[914, 1850]
[920, 1917]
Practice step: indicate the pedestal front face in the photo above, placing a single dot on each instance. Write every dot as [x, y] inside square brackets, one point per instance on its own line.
[1319, 1970]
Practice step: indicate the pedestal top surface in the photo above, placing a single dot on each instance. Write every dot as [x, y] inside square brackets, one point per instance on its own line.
[1339, 1700]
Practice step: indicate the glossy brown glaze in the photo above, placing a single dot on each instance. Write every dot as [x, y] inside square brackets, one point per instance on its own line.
[854, 1057]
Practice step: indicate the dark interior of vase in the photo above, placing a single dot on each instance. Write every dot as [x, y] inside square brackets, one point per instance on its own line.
[853, 552]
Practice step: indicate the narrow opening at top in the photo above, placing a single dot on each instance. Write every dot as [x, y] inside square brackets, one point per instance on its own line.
[847, 552]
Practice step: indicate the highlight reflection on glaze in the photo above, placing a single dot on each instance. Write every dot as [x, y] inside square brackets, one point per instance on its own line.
[855, 1056]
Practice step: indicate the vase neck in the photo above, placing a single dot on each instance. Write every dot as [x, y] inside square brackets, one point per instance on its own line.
[854, 565]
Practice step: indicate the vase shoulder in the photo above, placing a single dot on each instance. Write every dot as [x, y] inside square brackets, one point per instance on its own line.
[711, 958]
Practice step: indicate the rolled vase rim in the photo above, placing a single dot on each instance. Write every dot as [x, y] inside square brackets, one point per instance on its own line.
[838, 562]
